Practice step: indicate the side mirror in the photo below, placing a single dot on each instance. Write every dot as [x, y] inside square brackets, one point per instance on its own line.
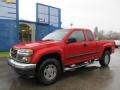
[71, 40]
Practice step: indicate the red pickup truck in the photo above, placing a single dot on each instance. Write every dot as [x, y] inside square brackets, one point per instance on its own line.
[59, 51]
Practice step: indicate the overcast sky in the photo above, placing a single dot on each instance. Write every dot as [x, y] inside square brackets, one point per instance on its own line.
[82, 13]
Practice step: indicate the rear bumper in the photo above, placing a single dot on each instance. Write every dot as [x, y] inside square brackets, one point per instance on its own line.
[21, 68]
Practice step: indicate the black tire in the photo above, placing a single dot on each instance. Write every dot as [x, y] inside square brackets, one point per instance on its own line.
[105, 60]
[116, 46]
[44, 75]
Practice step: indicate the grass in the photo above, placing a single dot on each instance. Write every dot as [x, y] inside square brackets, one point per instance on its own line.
[4, 54]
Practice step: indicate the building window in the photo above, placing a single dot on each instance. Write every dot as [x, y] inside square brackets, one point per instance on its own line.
[25, 33]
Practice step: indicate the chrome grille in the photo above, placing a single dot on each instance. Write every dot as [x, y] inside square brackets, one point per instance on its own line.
[17, 58]
[13, 53]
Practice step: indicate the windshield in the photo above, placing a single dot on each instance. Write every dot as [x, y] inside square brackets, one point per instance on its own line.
[57, 35]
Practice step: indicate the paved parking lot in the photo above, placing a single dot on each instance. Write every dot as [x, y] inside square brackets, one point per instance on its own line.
[92, 77]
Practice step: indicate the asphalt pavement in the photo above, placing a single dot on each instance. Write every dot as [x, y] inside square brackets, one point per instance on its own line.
[92, 77]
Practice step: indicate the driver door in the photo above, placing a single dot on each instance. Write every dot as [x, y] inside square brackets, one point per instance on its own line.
[74, 50]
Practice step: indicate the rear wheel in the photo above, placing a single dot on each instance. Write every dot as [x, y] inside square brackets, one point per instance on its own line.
[49, 71]
[105, 60]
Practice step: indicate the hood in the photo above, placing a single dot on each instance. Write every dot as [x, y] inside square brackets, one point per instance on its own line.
[37, 45]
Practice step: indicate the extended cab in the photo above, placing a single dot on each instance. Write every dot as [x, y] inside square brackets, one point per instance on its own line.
[59, 51]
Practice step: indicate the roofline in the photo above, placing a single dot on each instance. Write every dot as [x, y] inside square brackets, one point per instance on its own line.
[78, 29]
[27, 21]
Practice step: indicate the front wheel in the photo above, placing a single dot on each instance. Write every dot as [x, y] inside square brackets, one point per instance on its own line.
[105, 60]
[48, 71]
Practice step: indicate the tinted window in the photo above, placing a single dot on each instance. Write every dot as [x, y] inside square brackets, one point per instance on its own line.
[90, 36]
[78, 35]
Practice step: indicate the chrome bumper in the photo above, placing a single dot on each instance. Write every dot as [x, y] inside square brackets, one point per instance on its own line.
[21, 66]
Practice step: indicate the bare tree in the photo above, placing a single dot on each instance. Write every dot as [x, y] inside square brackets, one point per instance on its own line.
[101, 35]
[96, 32]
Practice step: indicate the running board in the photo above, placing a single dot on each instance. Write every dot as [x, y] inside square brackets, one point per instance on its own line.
[73, 67]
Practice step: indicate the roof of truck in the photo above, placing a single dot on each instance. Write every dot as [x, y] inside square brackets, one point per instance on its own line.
[78, 29]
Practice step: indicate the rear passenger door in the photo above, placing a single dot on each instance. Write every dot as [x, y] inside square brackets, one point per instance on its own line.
[90, 50]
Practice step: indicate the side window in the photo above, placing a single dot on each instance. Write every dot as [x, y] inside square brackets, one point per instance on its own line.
[90, 36]
[78, 35]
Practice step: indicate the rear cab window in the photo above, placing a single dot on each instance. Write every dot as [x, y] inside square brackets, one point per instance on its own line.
[89, 36]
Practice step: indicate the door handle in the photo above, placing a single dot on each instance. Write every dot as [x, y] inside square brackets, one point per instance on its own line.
[85, 45]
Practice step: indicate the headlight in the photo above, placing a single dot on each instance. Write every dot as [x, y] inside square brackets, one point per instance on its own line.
[26, 59]
[25, 52]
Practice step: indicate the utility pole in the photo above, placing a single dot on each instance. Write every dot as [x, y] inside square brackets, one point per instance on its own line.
[71, 24]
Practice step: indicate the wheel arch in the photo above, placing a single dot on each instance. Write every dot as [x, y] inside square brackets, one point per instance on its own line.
[55, 55]
[108, 49]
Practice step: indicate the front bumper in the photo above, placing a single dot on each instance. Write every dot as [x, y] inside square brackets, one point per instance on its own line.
[21, 68]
